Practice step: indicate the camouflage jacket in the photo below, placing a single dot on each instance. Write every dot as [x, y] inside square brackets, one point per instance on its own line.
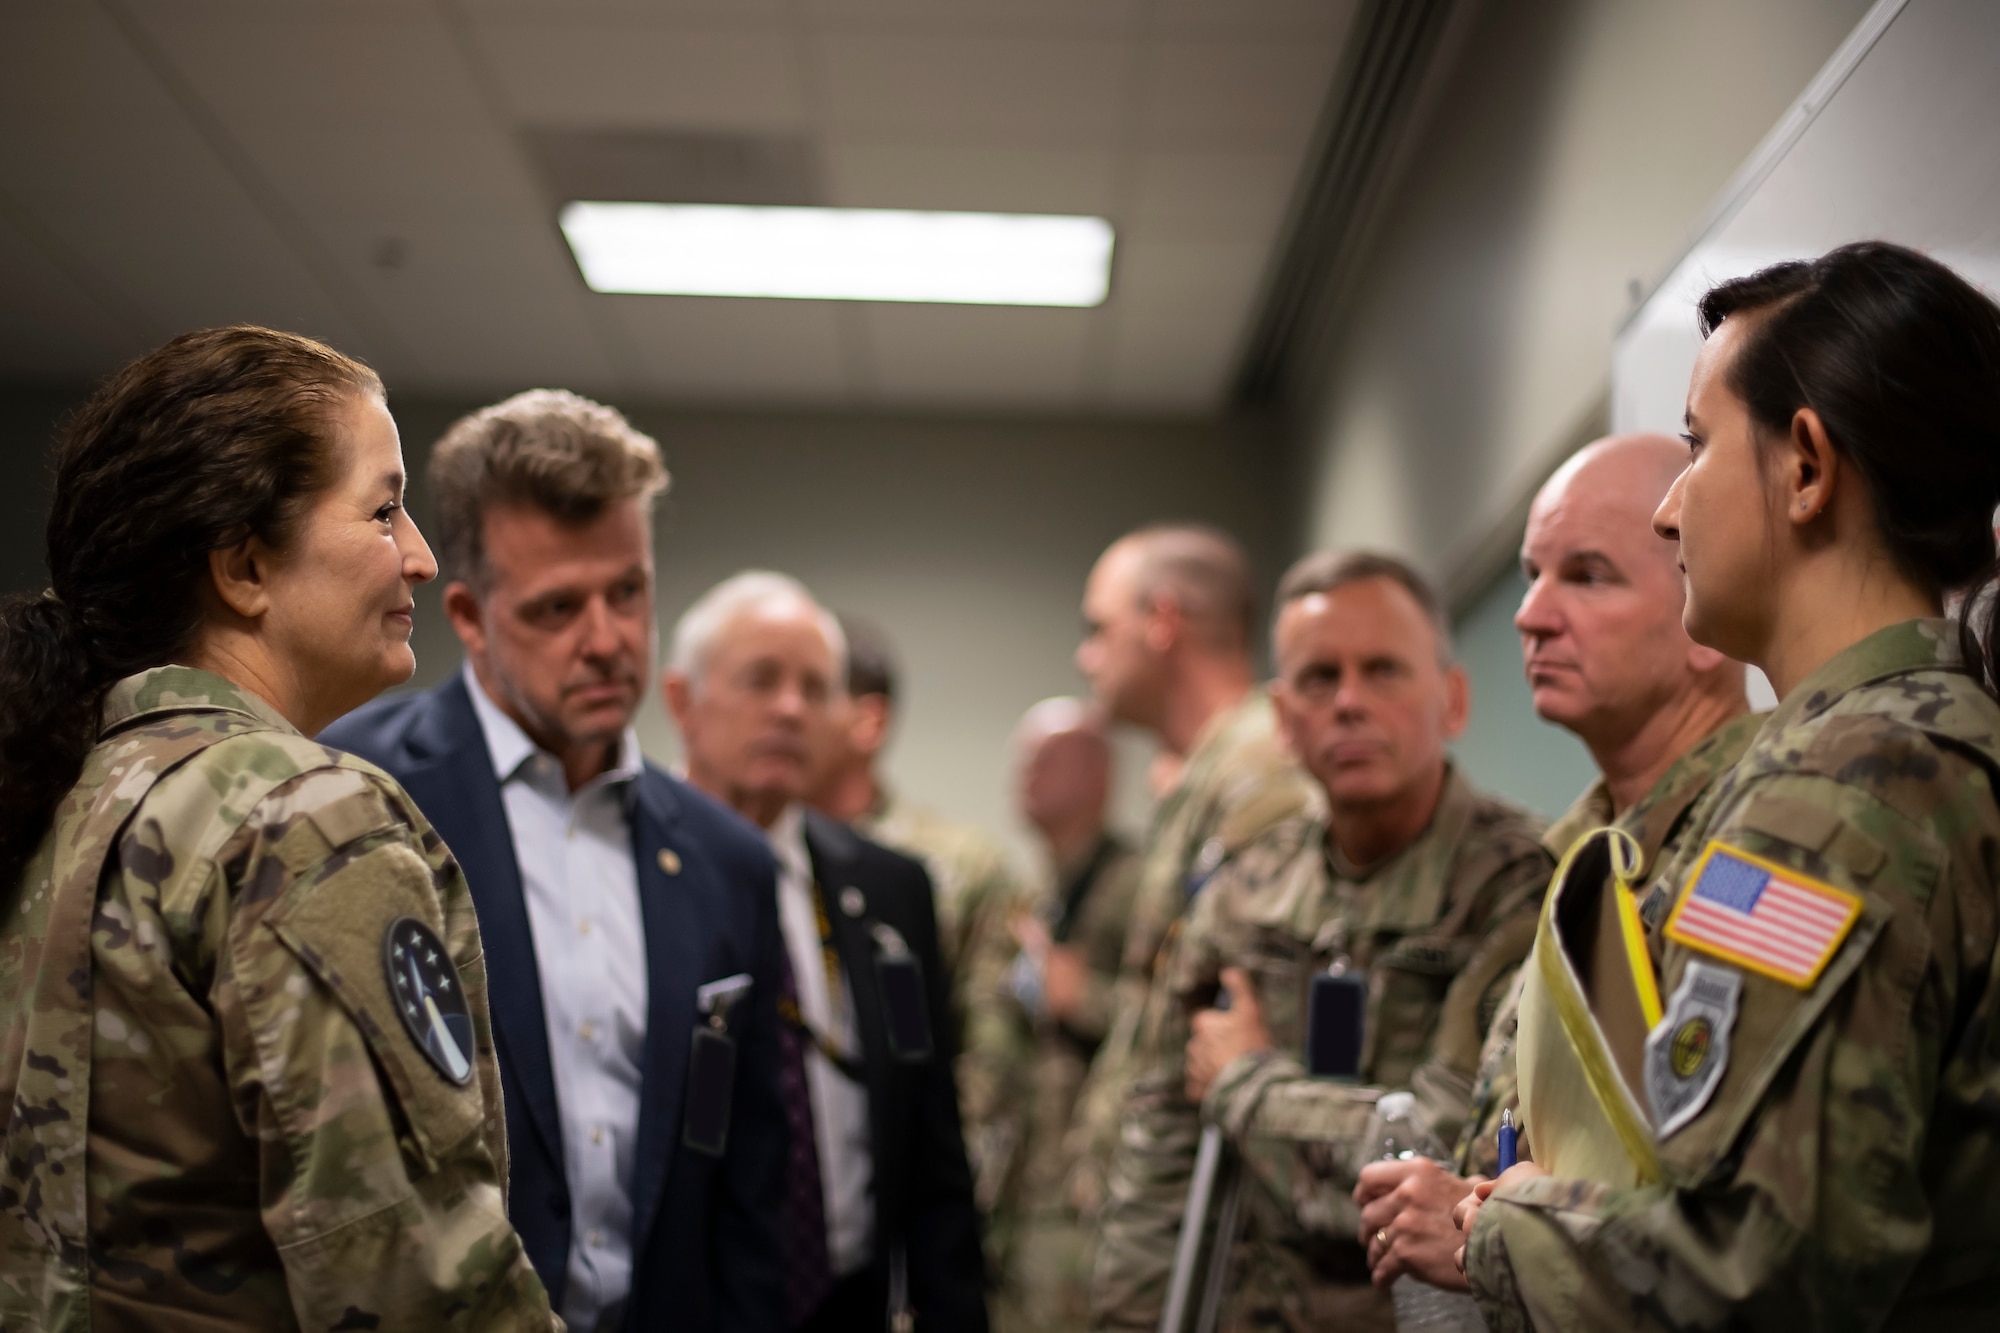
[1657, 821]
[217, 1116]
[977, 892]
[1438, 928]
[1238, 781]
[1834, 1166]
[1094, 924]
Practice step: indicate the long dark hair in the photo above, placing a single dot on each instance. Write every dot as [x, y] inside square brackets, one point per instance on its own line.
[1900, 357]
[218, 435]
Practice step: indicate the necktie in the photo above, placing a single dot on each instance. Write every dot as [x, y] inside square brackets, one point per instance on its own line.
[809, 1274]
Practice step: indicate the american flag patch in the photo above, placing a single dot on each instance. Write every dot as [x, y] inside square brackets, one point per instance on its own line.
[1770, 919]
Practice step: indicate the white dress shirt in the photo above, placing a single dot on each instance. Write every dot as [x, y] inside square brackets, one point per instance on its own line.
[582, 890]
[839, 1104]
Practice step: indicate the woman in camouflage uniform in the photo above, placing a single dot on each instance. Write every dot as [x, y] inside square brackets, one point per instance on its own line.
[1782, 1106]
[244, 1056]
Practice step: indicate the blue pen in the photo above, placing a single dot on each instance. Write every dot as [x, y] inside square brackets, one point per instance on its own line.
[1508, 1139]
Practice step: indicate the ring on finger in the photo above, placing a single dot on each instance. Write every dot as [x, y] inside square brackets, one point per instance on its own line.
[1382, 1237]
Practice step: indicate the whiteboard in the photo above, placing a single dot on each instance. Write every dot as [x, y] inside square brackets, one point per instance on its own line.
[1897, 139]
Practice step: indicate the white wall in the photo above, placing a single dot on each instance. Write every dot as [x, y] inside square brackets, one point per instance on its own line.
[1577, 146]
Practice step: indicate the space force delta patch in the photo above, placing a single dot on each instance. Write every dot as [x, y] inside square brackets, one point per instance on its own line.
[1762, 916]
[425, 987]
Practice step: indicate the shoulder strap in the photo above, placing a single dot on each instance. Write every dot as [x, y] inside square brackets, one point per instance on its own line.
[45, 1051]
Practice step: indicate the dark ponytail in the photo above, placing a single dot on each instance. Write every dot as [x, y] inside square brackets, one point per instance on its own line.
[217, 435]
[1900, 357]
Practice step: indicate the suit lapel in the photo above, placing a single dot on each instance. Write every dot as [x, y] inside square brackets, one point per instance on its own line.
[670, 904]
[452, 782]
[832, 849]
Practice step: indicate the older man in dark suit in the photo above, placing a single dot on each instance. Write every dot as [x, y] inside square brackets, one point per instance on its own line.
[883, 1224]
[629, 921]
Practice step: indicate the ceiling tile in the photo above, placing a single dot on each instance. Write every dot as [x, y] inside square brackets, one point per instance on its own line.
[978, 355]
[57, 54]
[1211, 195]
[1180, 318]
[731, 10]
[1034, 16]
[49, 326]
[394, 64]
[724, 350]
[1228, 93]
[1003, 180]
[618, 73]
[1316, 18]
[976, 90]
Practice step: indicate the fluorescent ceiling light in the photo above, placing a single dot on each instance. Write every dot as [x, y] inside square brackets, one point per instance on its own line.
[840, 254]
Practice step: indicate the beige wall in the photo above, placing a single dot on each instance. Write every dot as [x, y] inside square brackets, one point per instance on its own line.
[966, 540]
[1573, 152]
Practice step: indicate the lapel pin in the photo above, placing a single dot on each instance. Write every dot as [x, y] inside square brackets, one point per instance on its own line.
[851, 901]
[670, 861]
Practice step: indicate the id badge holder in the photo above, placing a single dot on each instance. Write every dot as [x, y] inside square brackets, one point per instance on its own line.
[902, 980]
[1336, 1018]
[711, 1079]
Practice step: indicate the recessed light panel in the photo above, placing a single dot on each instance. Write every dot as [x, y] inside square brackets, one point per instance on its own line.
[840, 254]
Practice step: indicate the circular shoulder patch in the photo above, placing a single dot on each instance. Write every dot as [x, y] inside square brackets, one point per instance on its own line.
[425, 987]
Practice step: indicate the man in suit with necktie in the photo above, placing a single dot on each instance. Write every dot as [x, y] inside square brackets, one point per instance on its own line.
[629, 922]
[883, 1230]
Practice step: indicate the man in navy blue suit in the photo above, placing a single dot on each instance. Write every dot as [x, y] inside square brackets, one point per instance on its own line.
[629, 922]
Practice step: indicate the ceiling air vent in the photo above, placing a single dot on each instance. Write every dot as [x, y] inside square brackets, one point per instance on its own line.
[676, 167]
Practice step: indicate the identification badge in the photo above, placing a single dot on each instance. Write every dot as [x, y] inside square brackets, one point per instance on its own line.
[425, 985]
[902, 980]
[711, 1088]
[1688, 1051]
[1336, 1017]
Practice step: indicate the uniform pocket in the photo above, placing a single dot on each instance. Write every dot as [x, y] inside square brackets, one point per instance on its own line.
[336, 927]
[1410, 982]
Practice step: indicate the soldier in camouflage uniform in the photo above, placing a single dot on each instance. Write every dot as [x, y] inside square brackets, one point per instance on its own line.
[977, 893]
[245, 1055]
[1412, 877]
[1169, 612]
[1064, 978]
[232, 1122]
[1774, 1106]
[1663, 717]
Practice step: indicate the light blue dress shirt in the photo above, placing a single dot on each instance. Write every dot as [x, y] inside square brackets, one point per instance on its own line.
[582, 888]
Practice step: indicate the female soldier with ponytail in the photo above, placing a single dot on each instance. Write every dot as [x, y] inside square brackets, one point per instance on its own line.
[1770, 1097]
[245, 1066]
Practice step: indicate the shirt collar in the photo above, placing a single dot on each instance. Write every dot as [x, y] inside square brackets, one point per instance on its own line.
[787, 836]
[510, 747]
[182, 689]
[1912, 645]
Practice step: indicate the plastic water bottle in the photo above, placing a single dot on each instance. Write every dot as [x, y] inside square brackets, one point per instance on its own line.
[1419, 1305]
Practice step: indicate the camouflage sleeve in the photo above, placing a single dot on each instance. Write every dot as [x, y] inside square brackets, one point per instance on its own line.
[998, 1042]
[1111, 910]
[1305, 1137]
[382, 1174]
[1495, 1088]
[1100, 1106]
[1150, 1172]
[1834, 1143]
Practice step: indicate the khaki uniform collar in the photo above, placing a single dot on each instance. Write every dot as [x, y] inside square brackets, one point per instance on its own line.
[1406, 891]
[1913, 645]
[1592, 810]
[180, 689]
